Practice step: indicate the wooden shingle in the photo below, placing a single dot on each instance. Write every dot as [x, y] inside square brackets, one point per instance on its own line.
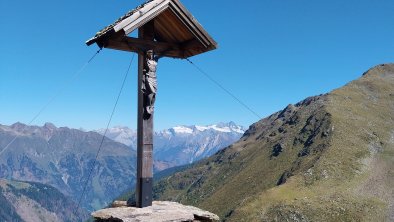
[177, 33]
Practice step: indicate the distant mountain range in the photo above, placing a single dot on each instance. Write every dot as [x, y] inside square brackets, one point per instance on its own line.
[181, 145]
[35, 202]
[327, 158]
[63, 157]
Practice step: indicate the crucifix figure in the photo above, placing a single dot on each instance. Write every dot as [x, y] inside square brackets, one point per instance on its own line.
[149, 85]
[165, 29]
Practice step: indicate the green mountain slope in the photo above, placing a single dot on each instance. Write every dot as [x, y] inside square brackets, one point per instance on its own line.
[63, 158]
[26, 201]
[327, 158]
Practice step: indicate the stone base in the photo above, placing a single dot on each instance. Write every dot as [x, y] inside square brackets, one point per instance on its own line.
[160, 211]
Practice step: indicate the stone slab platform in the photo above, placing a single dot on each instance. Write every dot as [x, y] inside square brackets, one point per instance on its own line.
[160, 211]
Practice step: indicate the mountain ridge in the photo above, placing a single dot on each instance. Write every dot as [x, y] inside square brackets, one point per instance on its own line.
[63, 157]
[127, 136]
[27, 201]
[326, 158]
[182, 144]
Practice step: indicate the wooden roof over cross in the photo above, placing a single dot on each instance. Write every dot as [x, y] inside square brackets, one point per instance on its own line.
[177, 33]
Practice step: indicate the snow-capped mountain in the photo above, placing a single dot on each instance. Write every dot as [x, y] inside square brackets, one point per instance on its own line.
[121, 134]
[230, 127]
[182, 144]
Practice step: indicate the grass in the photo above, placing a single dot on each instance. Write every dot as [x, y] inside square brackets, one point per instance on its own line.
[327, 158]
[360, 179]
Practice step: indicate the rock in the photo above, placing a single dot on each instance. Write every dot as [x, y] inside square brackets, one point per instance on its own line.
[160, 211]
[118, 203]
[277, 149]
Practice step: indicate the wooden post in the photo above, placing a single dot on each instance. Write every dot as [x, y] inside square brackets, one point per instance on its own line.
[144, 131]
[178, 35]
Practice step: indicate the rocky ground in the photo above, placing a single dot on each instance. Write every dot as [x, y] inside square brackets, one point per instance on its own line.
[160, 211]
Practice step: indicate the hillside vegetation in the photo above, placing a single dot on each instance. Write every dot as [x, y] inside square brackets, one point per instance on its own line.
[35, 202]
[63, 158]
[327, 158]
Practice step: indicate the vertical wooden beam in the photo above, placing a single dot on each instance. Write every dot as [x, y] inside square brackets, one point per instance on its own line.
[144, 131]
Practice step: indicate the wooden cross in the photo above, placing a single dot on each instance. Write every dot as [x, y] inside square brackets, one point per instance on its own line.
[165, 29]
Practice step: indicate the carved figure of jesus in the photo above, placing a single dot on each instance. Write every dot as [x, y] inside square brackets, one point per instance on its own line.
[149, 83]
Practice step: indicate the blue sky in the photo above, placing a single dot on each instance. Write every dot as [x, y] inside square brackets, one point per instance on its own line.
[271, 53]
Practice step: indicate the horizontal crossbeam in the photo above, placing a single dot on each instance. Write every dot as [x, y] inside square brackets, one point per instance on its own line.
[131, 44]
